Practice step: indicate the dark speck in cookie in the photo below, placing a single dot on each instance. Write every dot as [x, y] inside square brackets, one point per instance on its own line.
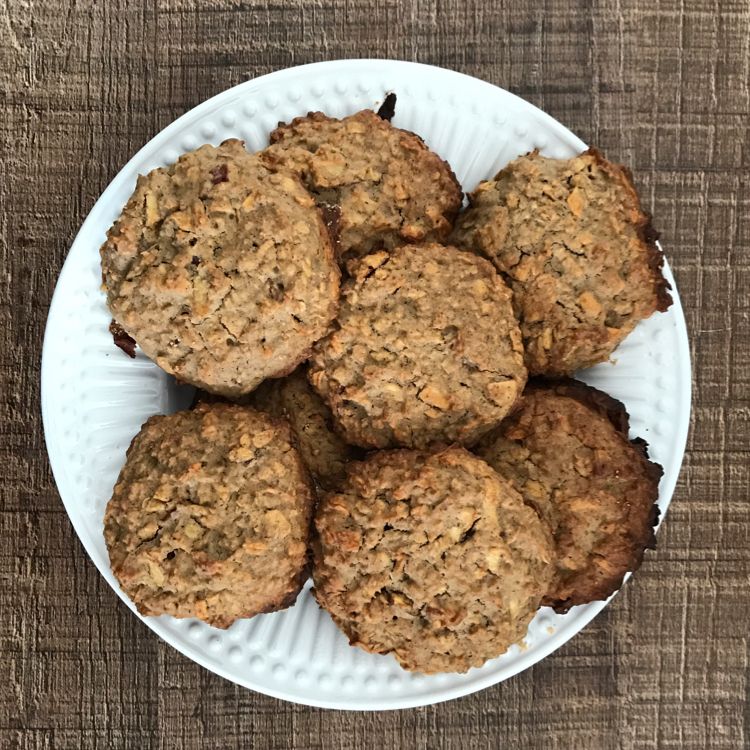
[122, 339]
[387, 109]
[332, 220]
[219, 174]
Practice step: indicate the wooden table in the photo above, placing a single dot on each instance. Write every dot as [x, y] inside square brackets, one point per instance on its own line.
[661, 86]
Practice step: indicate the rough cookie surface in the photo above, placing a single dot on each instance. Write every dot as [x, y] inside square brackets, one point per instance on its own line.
[389, 187]
[431, 557]
[425, 349]
[566, 450]
[324, 452]
[579, 253]
[221, 269]
[210, 516]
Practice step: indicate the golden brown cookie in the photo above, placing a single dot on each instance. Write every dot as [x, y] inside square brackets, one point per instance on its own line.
[566, 450]
[425, 349]
[323, 450]
[210, 516]
[431, 557]
[221, 269]
[576, 248]
[383, 185]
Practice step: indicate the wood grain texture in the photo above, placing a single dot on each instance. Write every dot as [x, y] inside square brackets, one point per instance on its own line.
[662, 86]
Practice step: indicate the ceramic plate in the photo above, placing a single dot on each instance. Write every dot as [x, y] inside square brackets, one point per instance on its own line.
[94, 398]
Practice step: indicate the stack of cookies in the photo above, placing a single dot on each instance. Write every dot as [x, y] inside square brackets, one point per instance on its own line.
[384, 393]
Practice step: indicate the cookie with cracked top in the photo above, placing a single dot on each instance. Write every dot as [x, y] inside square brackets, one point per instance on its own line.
[425, 350]
[432, 557]
[221, 269]
[389, 187]
[579, 253]
[566, 450]
[210, 516]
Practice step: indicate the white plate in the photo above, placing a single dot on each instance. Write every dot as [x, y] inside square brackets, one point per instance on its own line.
[94, 398]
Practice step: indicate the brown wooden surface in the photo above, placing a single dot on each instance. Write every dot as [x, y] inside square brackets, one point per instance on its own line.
[662, 86]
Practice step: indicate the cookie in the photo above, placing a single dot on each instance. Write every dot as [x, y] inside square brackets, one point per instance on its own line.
[385, 187]
[571, 239]
[431, 557]
[324, 452]
[210, 516]
[425, 349]
[221, 269]
[566, 450]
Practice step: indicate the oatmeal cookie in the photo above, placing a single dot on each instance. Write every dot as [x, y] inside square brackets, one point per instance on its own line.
[323, 450]
[385, 186]
[210, 516]
[566, 450]
[570, 237]
[221, 269]
[425, 349]
[431, 557]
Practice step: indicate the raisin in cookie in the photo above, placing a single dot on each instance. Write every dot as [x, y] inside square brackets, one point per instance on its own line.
[425, 349]
[210, 516]
[384, 187]
[221, 269]
[577, 250]
[431, 557]
[566, 450]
